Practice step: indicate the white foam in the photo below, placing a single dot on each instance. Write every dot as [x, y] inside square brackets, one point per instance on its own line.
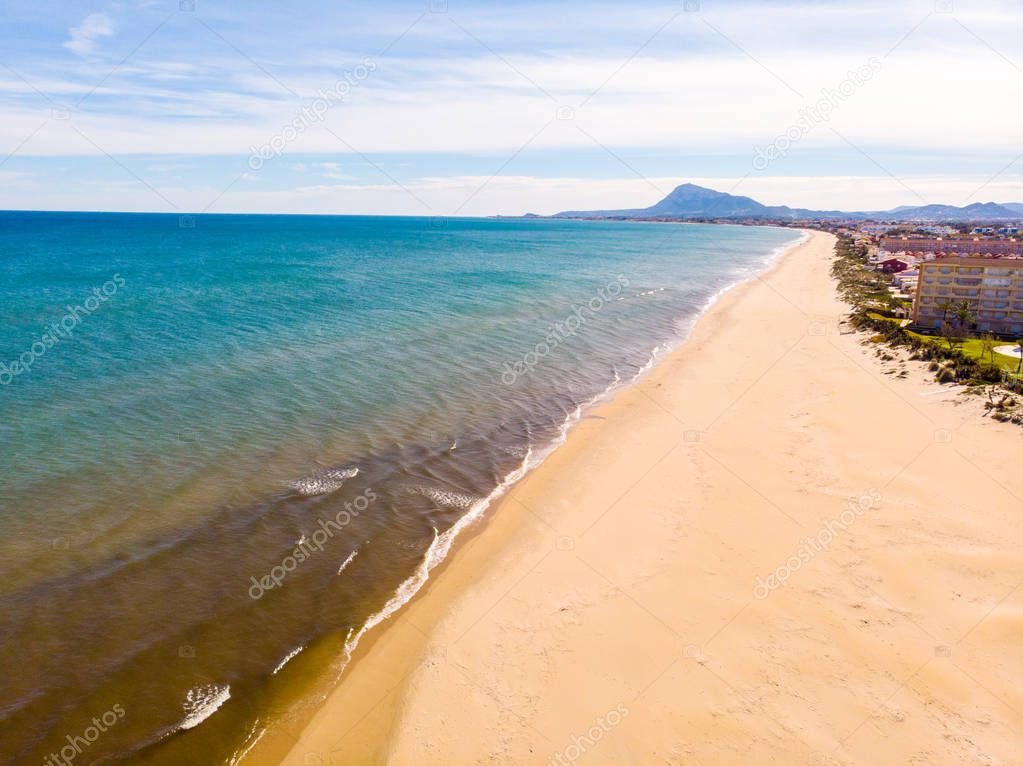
[446, 497]
[250, 742]
[656, 354]
[441, 546]
[324, 482]
[347, 561]
[408, 588]
[202, 702]
[287, 658]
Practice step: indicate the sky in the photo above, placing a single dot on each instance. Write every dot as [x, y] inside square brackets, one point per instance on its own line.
[447, 107]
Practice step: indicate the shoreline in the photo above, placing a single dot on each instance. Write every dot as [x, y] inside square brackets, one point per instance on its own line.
[475, 521]
[408, 682]
[472, 528]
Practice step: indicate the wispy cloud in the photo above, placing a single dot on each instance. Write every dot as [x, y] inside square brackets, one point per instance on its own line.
[527, 89]
[83, 38]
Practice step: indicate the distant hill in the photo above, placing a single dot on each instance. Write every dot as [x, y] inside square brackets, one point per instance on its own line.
[978, 211]
[690, 201]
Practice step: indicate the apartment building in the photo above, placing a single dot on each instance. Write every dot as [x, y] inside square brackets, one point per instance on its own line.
[922, 245]
[992, 286]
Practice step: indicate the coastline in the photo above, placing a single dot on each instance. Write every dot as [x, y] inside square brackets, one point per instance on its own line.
[550, 544]
[270, 745]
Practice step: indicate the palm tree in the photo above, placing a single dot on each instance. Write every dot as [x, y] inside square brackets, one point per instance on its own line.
[987, 346]
[948, 332]
[945, 306]
[1019, 367]
[963, 314]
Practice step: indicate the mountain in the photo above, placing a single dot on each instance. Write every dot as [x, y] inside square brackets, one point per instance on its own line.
[690, 201]
[978, 211]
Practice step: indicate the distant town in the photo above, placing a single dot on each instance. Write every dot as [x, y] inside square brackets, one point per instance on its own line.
[949, 295]
[947, 265]
[970, 276]
[942, 282]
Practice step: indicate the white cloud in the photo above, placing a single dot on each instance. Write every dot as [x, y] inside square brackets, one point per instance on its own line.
[83, 38]
[514, 195]
[719, 102]
[716, 84]
[477, 195]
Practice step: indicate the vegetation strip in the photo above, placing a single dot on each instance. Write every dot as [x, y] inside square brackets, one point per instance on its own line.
[952, 356]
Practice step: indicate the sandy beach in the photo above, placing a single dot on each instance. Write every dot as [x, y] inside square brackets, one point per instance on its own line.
[772, 549]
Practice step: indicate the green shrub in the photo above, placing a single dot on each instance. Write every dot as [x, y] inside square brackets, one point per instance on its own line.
[866, 291]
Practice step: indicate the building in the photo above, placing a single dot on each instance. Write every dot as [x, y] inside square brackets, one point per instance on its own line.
[939, 246]
[907, 280]
[939, 231]
[893, 265]
[877, 228]
[993, 288]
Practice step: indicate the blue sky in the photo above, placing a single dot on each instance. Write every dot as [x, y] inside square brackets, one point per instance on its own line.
[444, 108]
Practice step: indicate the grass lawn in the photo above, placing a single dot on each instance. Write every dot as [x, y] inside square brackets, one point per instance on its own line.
[971, 347]
[875, 315]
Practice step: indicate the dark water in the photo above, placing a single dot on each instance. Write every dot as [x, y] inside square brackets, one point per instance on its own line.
[248, 440]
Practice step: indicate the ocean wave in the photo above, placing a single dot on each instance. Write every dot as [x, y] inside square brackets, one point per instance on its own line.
[446, 497]
[347, 561]
[441, 546]
[325, 481]
[404, 592]
[410, 587]
[515, 450]
[657, 353]
[202, 702]
[287, 658]
[255, 734]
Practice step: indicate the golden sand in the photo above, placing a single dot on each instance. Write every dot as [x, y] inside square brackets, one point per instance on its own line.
[618, 605]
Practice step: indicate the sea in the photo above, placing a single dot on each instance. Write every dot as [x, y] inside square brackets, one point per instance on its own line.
[232, 446]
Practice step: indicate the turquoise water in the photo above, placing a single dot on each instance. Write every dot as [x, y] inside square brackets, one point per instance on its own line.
[227, 439]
